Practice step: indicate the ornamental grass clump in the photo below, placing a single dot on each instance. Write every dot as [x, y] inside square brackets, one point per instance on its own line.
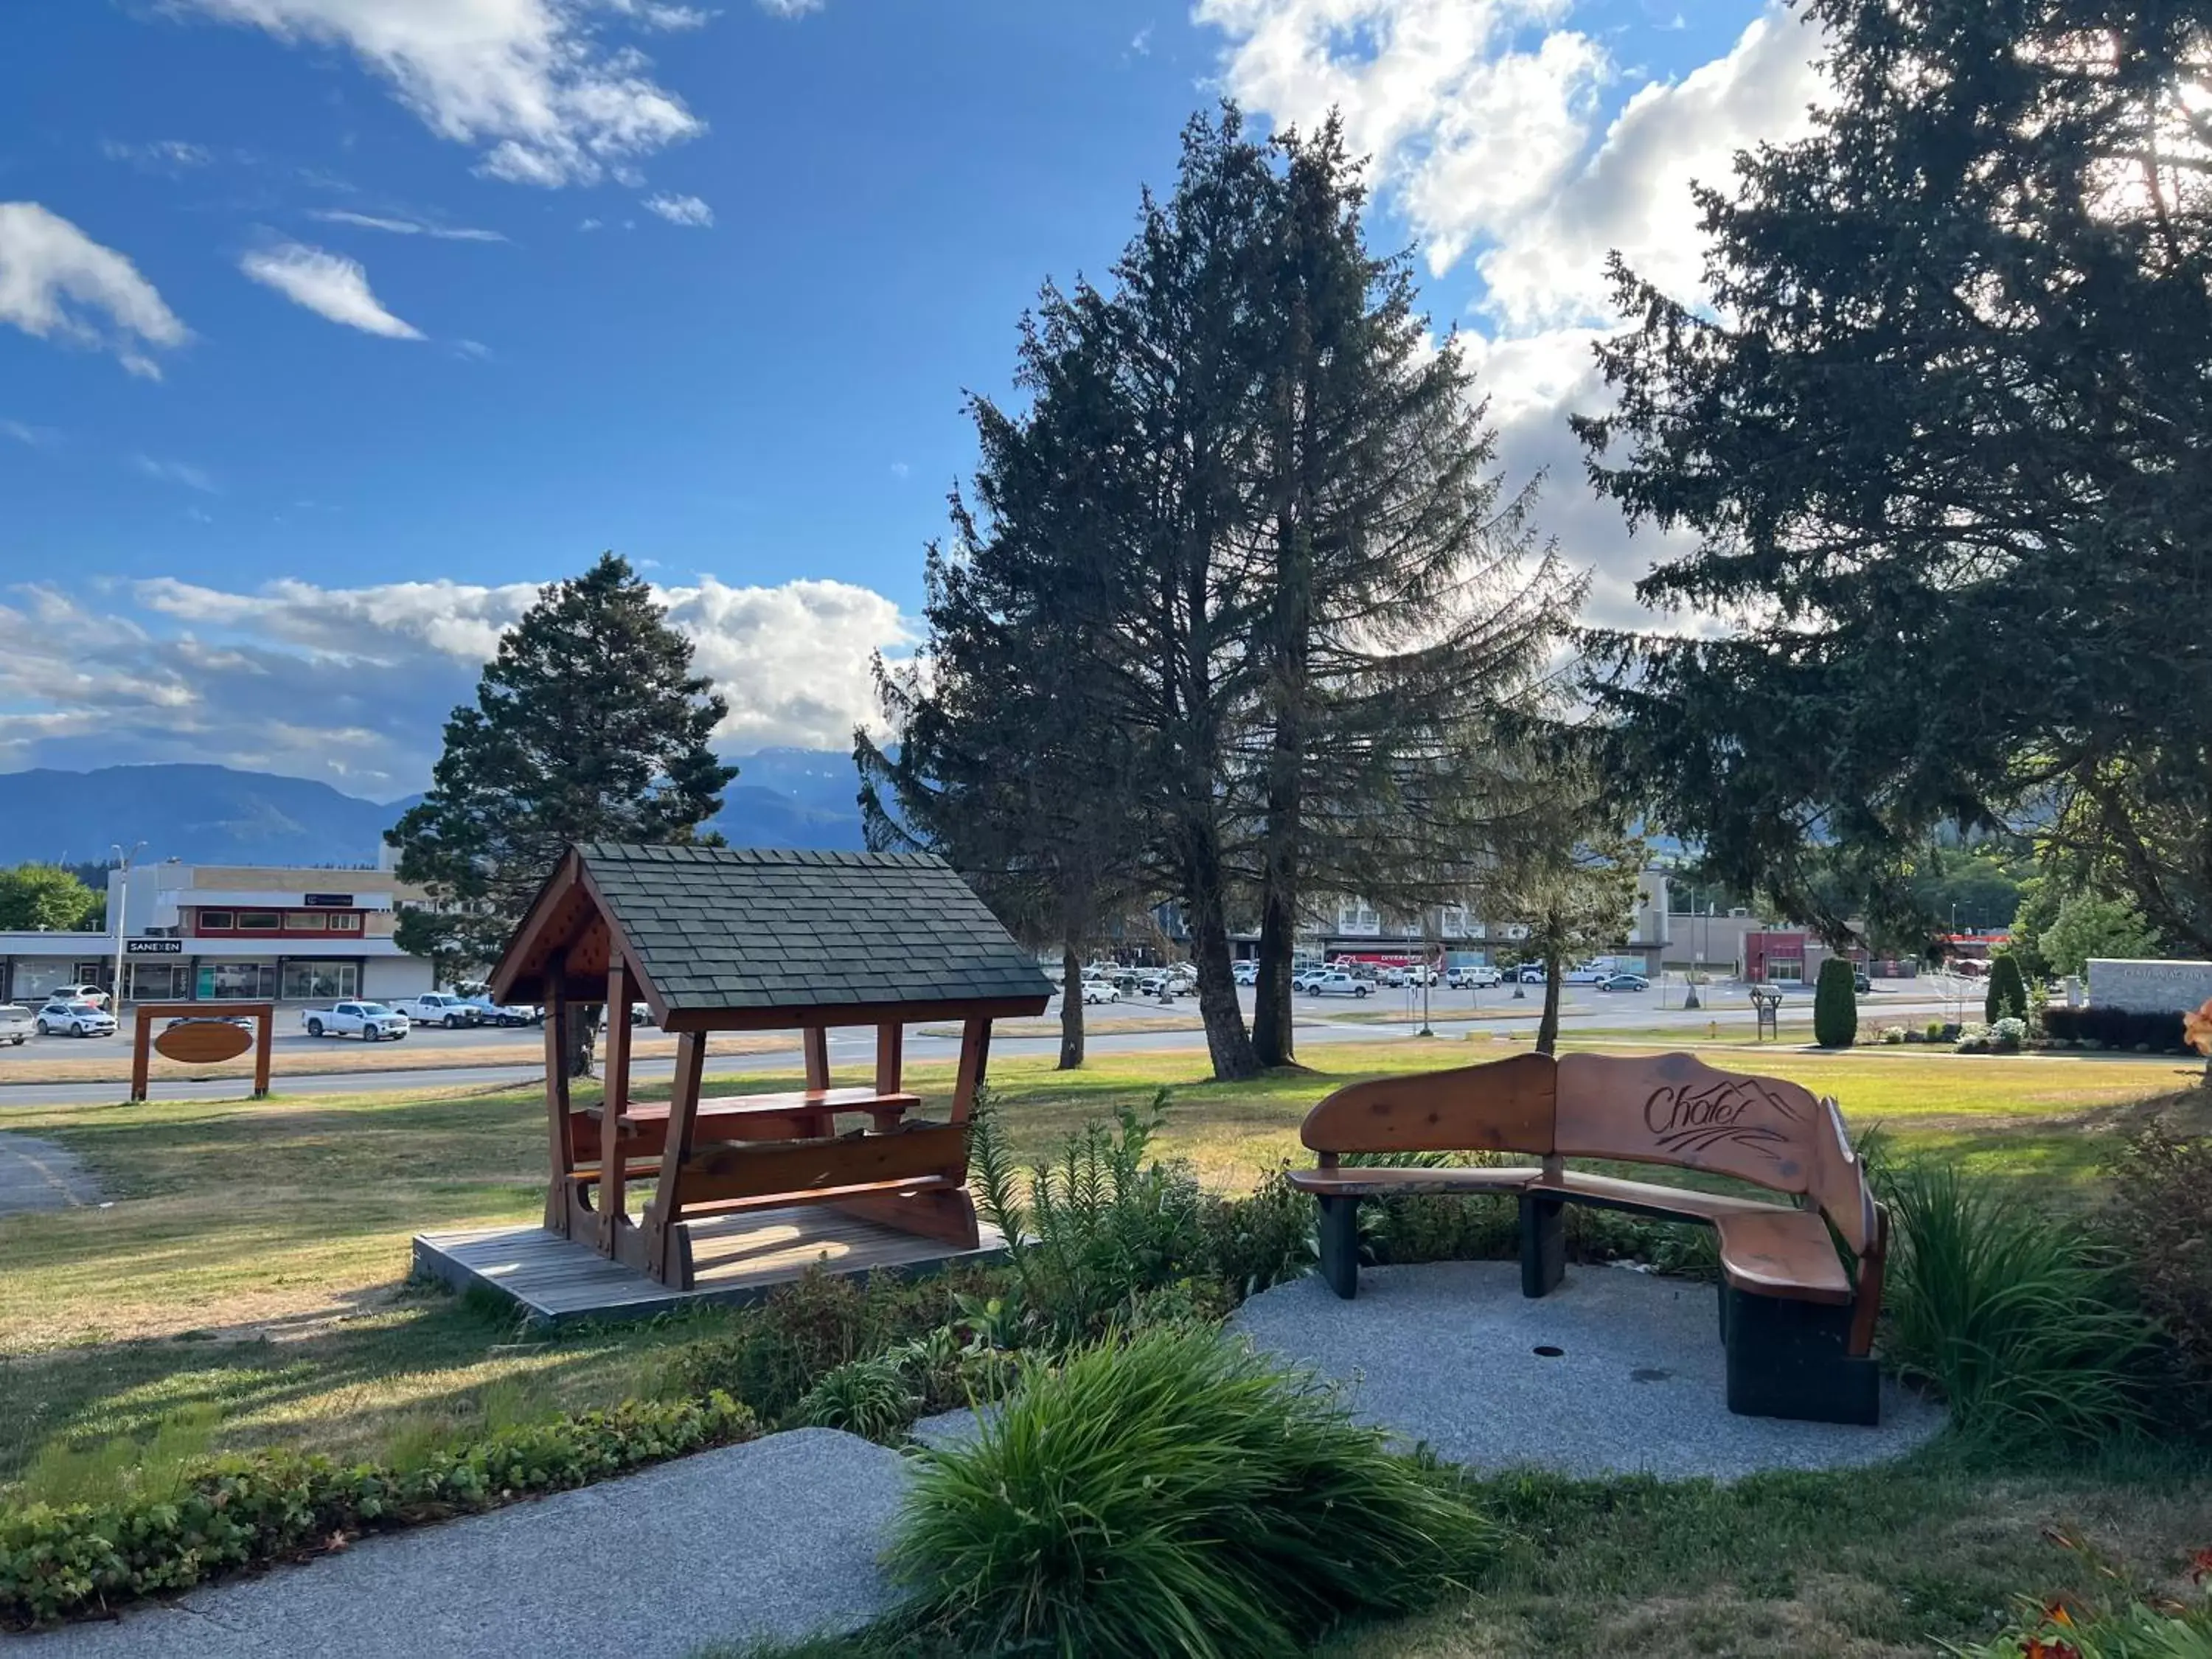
[2021, 1317]
[1175, 1494]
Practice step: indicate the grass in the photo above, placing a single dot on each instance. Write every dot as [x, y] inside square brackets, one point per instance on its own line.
[252, 1257]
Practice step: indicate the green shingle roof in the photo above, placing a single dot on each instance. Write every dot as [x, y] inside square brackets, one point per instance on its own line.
[725, 928]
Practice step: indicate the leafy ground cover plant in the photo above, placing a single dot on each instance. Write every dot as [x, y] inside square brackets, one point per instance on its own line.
[2126, 1621]
[1174, 1493]
[2022, 1317]
[2161, 1220]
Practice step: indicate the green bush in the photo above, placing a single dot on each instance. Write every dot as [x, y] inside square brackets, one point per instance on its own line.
[1266, 1238]
[870, 1398]
[2161, 1219]
[2018, 1316]
[2007, 993]
[2135, 1631]
[1835, 1006]
[1174, 1493]
[240, 1511]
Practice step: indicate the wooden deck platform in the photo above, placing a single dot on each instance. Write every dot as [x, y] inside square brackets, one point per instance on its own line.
[736, 1258]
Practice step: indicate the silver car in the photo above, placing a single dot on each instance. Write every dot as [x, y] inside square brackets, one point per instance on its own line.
[74, 1018]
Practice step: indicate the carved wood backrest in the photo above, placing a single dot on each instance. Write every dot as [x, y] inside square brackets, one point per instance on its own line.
[1674, 1109]
[1839, 1183]
[1505, 1106]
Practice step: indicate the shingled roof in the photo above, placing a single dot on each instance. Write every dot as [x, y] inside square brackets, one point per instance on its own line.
[723, 929]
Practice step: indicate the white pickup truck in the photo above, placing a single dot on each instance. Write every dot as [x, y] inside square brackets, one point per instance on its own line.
[440, 1008]
[15, 1023]
[372, 1021]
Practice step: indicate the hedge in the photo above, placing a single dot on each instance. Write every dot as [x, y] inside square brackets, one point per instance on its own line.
[1835, 1004]
[247, 1509]
[2116, 1028]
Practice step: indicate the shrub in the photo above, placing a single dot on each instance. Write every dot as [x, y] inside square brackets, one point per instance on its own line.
[1936, 1030]
[2007, 998]
[1266, 1238]
[2006, 1035]
[1092, 1230]
[1174, 1493]
[2017, 1315]
[241, 1511]
[1892, 1035]
[2116, 1028]
[2134, 1631]
[1835, 1006]
[867, 1397]
[1974, 1040]
[2161, 1214]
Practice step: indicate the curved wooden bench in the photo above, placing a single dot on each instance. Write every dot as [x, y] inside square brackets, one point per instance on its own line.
[1797, 1313]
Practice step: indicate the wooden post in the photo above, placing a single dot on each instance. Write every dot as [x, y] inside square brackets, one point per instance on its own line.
[666, 1257]
[975, 1060]
[264, 1043]
[816, 1040]
[891, 1057]
[613, 1103]
[140, 1059]
[556, 1102]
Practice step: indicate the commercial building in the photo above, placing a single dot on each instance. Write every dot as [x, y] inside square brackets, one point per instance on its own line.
[230, 932]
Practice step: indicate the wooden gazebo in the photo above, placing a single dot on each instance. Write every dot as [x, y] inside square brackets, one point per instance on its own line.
[717, 939]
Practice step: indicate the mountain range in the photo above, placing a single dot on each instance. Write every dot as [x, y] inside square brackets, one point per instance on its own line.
[219, 815]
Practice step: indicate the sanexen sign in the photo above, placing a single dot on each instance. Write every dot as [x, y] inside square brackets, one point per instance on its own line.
[153, 947]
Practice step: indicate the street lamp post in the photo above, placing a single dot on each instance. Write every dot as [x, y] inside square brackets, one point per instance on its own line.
[1690, 997]
[122, 918]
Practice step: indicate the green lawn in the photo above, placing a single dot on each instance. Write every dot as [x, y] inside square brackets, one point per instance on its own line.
[253, 1255]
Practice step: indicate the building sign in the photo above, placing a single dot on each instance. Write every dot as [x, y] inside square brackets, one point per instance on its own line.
[153, 947]
[327, 901]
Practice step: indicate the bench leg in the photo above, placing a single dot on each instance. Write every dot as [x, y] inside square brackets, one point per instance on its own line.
[1792, 1360]
[1543, 1244]
[1340, 1245]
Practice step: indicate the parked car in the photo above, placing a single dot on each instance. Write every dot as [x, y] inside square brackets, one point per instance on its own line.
[1479, 976]
[439, 1008]
[1245, 973]
[1861, 983]
[16, 1026]
[1304, 978]
[372, 1021]
[1532, 973]
[1625, 983]
[91, 993]
[1098, 990]
[1338, 983]
[1586, 976]
[74, 1017]
[500, 1013]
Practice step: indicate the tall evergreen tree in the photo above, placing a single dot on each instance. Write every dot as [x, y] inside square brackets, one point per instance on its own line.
[1406, 605]
[589, 725]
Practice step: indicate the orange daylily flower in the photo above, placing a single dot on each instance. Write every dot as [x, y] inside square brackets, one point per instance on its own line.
[2037, 1648]
[2197, 1028]
[2200, 1566]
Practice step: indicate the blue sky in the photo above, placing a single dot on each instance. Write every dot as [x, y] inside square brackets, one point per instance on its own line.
[327, 327]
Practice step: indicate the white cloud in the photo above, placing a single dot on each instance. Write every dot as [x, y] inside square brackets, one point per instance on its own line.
[328, 284]
[789, 7]
[176, 472]
[591, 224]
[658, 15]
[681, 210]
[1141, 43]
[58, 283]
[172, 670]
[405, 226]
[529, 80]
[37, 437]
[162, 155]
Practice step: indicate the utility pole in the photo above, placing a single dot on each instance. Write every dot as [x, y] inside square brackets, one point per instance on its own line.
[1690, 997]
[122, 917]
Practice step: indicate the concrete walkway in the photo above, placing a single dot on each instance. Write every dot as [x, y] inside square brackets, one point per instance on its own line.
[36, 1175]
[777, 1540]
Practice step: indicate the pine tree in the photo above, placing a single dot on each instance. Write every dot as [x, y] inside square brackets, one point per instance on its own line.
[1836, 1005]
[589, 725]
[2008, 993]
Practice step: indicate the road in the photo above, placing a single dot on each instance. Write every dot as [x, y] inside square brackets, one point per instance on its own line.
[1320, 1022]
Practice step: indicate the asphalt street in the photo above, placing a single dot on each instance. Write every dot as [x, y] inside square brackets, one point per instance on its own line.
[1727, 1008]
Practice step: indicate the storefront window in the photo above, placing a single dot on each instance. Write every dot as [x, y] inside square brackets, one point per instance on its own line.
[259, 921]
[156, 982]
[1786, 969]
[306, 921]
[313, 982]
[36, 981]
[215, 921]
[345, 922]
[238, 980]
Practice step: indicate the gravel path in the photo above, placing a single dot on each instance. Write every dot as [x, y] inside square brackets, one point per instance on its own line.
[36, 1175]
[1447, 1353]
[776, 1538]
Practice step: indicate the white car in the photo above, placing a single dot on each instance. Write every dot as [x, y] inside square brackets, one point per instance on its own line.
[1393, 977]
[91, 993]
[16, 1026]
[1418, 975]
[1338, 984]
[74, 1017]
[1477, 977]
[1245, 973]
[439, 1008]
[1586, 976]
[1098, 990]
[1304, 978]
[372, 1021]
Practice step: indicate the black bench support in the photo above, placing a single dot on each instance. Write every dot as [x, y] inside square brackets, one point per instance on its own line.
[1789, 1358]
[1340, 1245]
[1543, 1244]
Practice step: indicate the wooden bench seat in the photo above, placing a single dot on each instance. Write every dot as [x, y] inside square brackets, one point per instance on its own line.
[802, 1115]
[1798, 1319]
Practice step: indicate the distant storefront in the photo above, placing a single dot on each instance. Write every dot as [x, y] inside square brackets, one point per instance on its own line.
[230, 934]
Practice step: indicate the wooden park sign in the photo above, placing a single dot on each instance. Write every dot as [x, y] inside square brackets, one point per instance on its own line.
[204, 1035]
[204, 1041]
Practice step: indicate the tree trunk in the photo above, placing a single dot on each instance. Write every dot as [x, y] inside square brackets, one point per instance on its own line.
[584, 1035]
[1227, 1041]
[1272, 1040]
[1071, 1006]
[1548, 1028]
